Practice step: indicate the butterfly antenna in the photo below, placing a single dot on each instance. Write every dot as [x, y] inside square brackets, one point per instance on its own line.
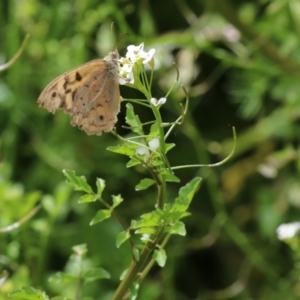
[120, 37]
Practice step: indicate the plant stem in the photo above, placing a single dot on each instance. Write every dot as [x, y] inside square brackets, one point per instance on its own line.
[133, 271]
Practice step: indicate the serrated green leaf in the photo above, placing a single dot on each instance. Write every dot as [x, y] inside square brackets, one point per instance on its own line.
[101, 215]
[132, 162]
[133, 120]
[100, 183]
[177, 208]
[88, 198]
[148, 220]
[171, 178]
[95, 274]
[187, 192]
[125, 149]
[178, 228]
[144, 184]
[117, 200]
[79, 183]
[160, 256]
[174, 213]
[29, 293]
[122, 237]
[61, 277]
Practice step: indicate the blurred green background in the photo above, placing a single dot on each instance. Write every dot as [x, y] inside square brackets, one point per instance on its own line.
[240, 62]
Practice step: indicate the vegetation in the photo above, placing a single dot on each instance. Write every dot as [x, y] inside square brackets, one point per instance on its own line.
[237, 64]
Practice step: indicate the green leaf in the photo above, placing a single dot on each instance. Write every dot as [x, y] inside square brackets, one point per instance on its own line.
[159, 255]
[133, 120]
[175, 211]
[59, 298]
[144, 184]
[78, 182]
[122, 237]
[171, 178]
[126, 149]
[94, 274]
[100, 183]
[178, 228]
[88, 198]
[132, 162]
[101, 215]
[148, 220]
[146, 230]
[61, 277]
[136, 253]
[154, 131]
[29, 293]
[187, 192]
[117, 200]
[169, 146]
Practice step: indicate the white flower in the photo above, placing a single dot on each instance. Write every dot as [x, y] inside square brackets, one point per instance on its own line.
[148, 56]
[125, 71]
[135, 53]
[154, 144]
[126, 65]
[126, 78]
[159, 102]
[142, 151]
[288, 231]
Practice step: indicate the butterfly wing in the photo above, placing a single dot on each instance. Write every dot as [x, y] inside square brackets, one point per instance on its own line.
[89, 93]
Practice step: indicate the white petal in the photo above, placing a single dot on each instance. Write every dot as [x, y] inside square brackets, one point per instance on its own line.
[154, 144]
[162, 101]
[142, 151]
[154, 101]
[122, 81]
[148, 56]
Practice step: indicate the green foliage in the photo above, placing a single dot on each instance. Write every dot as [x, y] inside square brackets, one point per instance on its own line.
[29, 293]
[239, 61]
[144, 184]
[159, 255]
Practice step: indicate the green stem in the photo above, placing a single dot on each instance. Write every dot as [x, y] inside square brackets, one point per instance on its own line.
[134, 270]
[152, 261]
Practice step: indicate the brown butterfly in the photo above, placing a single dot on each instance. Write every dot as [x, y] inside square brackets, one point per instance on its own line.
[89, 93]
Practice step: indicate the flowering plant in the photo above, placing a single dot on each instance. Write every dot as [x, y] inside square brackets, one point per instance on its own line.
[147, 234]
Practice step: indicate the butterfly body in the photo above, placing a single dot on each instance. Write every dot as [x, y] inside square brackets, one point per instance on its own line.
[89, 93]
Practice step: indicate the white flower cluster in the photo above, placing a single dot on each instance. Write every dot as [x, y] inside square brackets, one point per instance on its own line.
[135, 54]
[153, 144]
